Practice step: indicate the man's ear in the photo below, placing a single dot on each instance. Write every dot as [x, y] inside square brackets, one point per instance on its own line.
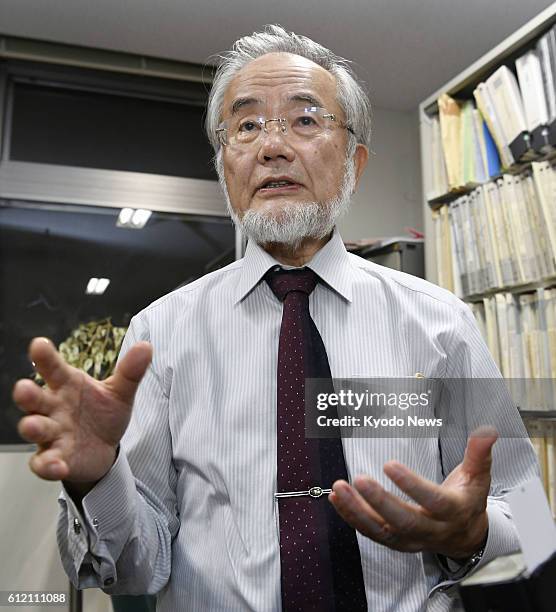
[360, 157]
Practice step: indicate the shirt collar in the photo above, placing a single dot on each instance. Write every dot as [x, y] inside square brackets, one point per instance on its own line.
[331, 263]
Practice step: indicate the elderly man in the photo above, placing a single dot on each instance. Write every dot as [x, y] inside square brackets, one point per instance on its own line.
[214, 498]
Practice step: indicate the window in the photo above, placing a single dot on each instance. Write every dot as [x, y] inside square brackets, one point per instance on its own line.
[96, 137]
[78, 145]
[55, 124]
[48, 253]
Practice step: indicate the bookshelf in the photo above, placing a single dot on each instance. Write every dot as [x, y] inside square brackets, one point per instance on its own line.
[491, 229]
[462, 85]
[495, 236]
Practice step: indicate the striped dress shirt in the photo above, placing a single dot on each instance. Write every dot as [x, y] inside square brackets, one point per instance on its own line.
[188, 510]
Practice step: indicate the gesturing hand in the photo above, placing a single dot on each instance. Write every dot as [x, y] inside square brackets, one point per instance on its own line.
[448, 519]
[77, 421]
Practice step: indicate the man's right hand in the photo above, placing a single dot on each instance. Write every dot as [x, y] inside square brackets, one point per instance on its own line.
[77, 421]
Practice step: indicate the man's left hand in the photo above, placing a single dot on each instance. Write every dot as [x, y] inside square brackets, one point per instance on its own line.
[448, 519]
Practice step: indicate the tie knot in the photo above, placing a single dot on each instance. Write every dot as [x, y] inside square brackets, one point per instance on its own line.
[283, 281]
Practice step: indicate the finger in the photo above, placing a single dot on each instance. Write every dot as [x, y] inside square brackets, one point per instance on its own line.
[402, 518]
[477, 460]
[356, 511]
[430, 495]
[29, 397]
[342, 484]
[38, 429]
[130, 371]
[48, 362]
[49, 465]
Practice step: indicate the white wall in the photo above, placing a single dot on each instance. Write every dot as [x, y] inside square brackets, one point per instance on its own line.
[29, 559]
[389, 194]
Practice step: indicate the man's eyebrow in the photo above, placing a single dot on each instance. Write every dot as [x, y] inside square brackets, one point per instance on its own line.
[306, 97]
[241, 102]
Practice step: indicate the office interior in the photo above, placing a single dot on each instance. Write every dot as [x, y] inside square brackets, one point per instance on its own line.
[106, 173]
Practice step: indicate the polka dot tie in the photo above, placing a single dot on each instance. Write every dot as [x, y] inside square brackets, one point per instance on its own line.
[319, 556]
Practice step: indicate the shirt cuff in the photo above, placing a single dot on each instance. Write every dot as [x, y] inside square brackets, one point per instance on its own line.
[99, 534]
[73, 540]
[456, 569]
[501, 540]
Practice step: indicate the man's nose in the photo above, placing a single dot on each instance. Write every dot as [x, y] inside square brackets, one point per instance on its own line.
[274, 143]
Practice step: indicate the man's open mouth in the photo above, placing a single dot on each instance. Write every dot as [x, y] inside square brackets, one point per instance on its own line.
[273, 184]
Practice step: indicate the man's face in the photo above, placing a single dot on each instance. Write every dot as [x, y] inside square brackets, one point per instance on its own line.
[315, 166]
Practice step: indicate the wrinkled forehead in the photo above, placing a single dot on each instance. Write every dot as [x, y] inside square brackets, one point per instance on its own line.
[278, 79]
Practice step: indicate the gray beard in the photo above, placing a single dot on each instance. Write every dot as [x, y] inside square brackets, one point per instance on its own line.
[298, 221]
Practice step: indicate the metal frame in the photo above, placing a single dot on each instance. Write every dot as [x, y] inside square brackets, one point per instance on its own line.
[89, 186]
[16, 47]
[3, 109]
[104, 82]
[111, 188]
[7, 115]
[24, 447]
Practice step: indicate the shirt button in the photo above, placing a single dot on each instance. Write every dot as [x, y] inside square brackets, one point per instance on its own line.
[76, 526]
[95, 523]
[108, 581]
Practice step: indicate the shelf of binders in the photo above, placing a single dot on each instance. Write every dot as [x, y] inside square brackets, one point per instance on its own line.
[499, 237]
[545, 283]
[488, 143]
[538, 414]
[463, 153]
[496, 118]
[515, 169]
[520, 332]
[476, 158]
[503, 102]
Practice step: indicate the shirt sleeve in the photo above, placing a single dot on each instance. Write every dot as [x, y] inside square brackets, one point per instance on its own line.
[486, 402]
[121, 542]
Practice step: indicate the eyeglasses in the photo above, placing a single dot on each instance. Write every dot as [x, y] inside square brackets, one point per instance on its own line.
[298, 123]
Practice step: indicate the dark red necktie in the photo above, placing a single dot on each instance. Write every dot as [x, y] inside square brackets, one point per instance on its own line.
[319, 555]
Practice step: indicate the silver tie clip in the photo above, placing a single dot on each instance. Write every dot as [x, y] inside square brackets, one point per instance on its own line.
[312, 492]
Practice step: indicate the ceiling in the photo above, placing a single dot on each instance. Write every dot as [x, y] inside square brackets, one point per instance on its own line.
[403, 50]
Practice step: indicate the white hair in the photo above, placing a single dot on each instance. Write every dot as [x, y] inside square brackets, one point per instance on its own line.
[350, 93]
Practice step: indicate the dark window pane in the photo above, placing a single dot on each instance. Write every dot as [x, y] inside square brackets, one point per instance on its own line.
[47, 257]
[95, 130]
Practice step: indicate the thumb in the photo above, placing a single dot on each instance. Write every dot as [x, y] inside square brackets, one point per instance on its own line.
[130, 370]
[477, 460]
